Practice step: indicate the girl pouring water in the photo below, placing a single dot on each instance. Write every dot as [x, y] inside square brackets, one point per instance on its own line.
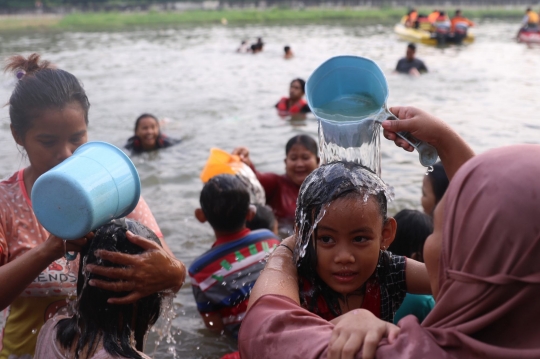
[49, 118]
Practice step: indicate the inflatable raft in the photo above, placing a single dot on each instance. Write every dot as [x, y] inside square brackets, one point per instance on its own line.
[431, 37]
[529, 36]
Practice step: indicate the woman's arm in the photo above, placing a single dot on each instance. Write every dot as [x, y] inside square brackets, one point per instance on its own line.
[18, 274]
[279, 276]
[453, 150]
[416, 277]
[152, 271]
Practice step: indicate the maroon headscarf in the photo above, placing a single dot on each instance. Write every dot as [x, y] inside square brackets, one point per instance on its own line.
[489, 276]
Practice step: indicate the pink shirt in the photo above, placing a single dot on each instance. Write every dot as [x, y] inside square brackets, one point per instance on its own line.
[48, 348]
[19, 232]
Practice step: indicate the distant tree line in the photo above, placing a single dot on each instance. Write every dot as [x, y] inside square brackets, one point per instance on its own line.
[7, 6]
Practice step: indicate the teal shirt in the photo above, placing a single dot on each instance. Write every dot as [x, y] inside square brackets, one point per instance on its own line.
[415, 304]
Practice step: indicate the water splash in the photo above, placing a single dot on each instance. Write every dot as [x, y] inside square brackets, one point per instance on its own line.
[322, 187]
[164, 327]
[349, 130]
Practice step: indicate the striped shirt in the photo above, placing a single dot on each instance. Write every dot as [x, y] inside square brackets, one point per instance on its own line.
[222, 278]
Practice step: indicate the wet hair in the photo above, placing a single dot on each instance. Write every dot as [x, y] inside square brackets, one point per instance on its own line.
[96, 319]
[264, 218]
[413, 227]
[144, 115]
[287, 48]
[301, 82]
[225, 203]
[307, 141]
[411, 46]
[41, 87]
[322, 187]
[439, 181]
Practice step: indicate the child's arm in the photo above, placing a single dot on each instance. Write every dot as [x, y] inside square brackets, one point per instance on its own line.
[453, 150]
[213, 321]
[416, 277]
[279, 276]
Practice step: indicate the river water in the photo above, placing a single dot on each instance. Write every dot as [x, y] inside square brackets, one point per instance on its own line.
[213, 97]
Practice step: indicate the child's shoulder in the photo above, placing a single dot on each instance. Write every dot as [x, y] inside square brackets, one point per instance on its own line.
[252, 243]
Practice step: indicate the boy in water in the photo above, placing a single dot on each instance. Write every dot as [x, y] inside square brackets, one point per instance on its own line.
[223, 276]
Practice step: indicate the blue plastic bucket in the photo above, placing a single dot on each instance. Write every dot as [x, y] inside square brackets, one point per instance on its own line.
[96, 184]
[348, 95]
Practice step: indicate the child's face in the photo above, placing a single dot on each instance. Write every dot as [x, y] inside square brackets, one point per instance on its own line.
[299, 163]
[349, 238]
[148, 132]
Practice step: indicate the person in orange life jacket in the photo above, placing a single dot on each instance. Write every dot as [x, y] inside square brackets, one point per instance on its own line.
[302, 157]
[412, 17]
[433, 16]
[148, 136]
[223, 276]
[460, 20]
[294, 105]
[531, 19]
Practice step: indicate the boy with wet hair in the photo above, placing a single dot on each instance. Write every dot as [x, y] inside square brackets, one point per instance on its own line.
[223, 276]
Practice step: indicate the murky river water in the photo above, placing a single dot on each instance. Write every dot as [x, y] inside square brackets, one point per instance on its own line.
[489, 91]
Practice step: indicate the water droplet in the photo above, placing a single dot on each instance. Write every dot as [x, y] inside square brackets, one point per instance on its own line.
[429, 170]
[34, 331]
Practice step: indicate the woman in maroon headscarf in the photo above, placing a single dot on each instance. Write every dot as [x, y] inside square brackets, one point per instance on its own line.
[482, 259]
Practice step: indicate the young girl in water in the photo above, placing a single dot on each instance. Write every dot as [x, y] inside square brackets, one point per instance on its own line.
[48, 111]
[98, 329]
[302, 157]
[342, 232]
[148, 136]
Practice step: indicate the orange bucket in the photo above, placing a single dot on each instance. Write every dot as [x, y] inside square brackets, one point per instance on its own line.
[220, 162]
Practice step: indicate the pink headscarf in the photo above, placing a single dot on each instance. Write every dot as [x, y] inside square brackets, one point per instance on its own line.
[489, 272]
[489, 276]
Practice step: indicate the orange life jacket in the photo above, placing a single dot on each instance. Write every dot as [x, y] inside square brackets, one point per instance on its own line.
[433, 16]
[460, 20]
[533, 17]
[413, 16]
[284, 110]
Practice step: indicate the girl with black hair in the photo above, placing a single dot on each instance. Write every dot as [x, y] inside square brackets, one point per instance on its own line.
[98, 329]
[294, 105]
[342, 232]
[49, 118]
[302, 157]
[148, 136]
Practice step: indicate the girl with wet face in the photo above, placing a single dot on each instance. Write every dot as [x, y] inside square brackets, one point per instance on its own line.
[148, 136]
[294, 105]
[48, 111]
[342, 233]
[282, 190]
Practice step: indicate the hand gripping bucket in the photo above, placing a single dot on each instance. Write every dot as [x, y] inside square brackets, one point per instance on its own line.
[348, 94]
[97, 184]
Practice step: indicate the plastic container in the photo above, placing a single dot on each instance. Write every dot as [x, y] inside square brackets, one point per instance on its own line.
[221, 162]
[348, 94]
[96, 184]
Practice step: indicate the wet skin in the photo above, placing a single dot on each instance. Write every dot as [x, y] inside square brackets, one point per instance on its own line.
[433, 248]
[348, 239]
[428, 196]
[299, 163]
[148, 131]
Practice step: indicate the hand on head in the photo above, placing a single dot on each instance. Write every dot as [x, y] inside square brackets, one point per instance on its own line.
[146, 273]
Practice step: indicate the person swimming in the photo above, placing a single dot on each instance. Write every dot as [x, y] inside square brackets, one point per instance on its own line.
[148, 136]
[294, 105]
